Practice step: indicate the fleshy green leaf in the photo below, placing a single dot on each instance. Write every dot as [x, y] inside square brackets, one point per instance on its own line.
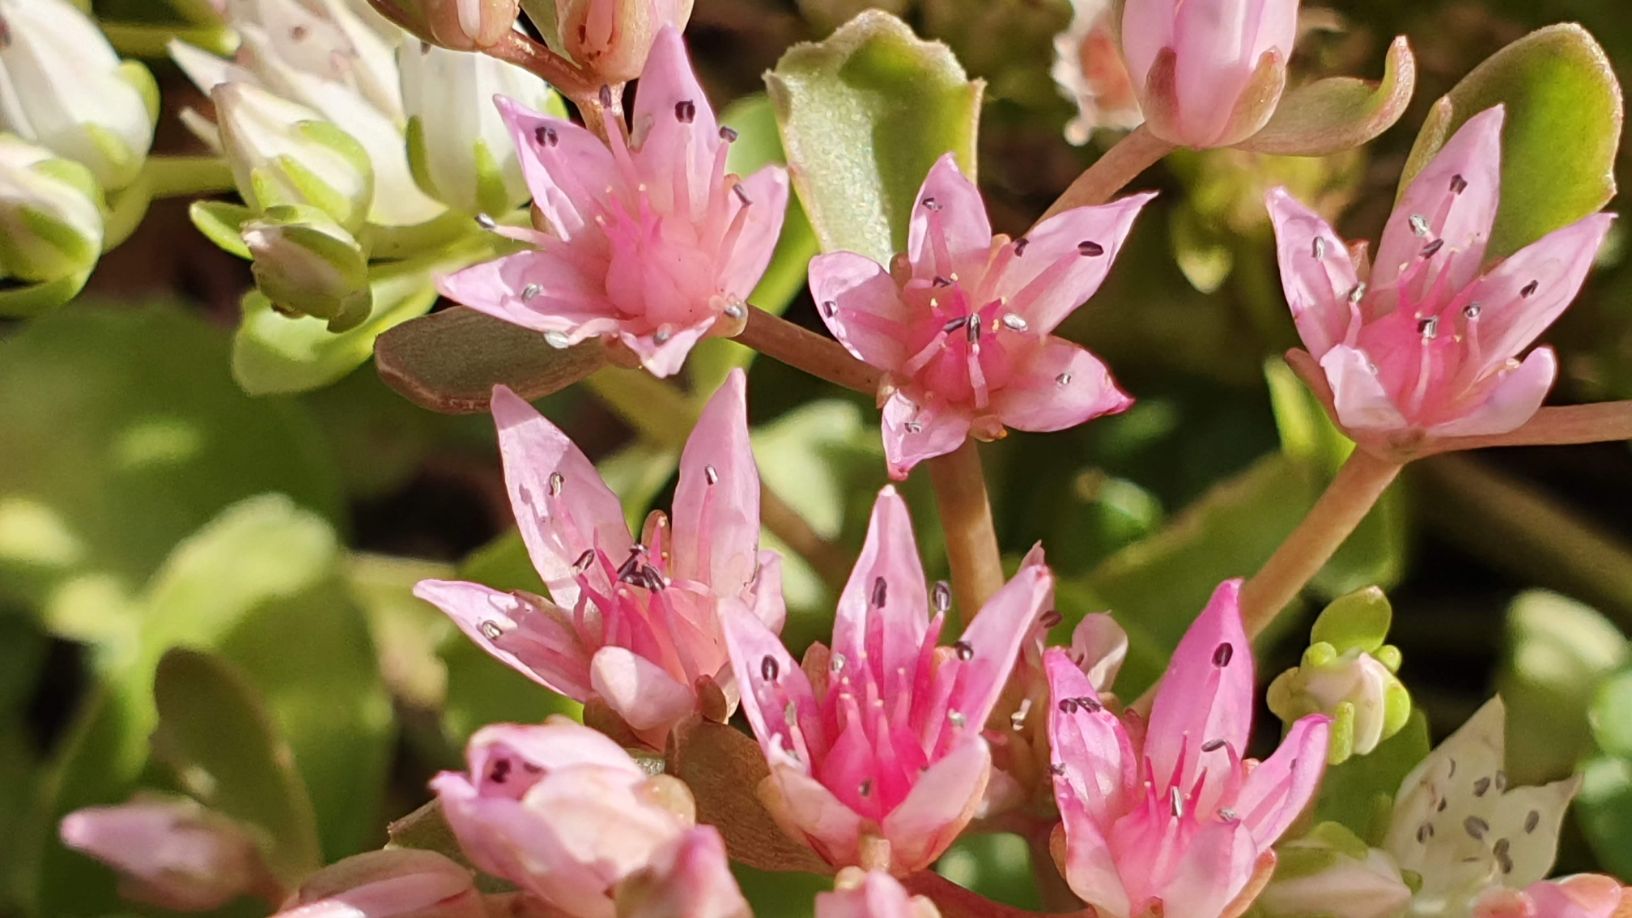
[1611, 727]
[864, 115]
[215, 734]
[1604, 808]
[122, 435]
[1563, 129]
[1558, 651]
[1340, 113]
[451, 360]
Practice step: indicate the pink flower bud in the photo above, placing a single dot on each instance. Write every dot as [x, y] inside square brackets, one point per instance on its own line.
[463, 25]
[1209, 72]
[171, 852]
[1586, 895]
[691, 878]
[873, 894]
[611, 38]
[395, 883]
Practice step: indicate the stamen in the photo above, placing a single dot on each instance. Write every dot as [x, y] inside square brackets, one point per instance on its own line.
[1020, 246]
[686, 111]
[1222, 654]
[710, 475]
[941, 596]
[955, 324]
[769, 669]
[584, 561]
[490, 630]
[546, 136]
[734, 310]
[605, 96]
[1475, 827]
[1428, 328]
[1357, 293]
[1419, 225]
[727, 134]
[1212, 745]
[1320, 248]
[931, 204]
[1017, 720]
[964, 650]
[1531, 821]
[1050, 618]
[1458, 184]
[1063, 380]
[1175, 799]
[1432, 248]
[1481, 786]
[1530, 289]
[881, 592]
[1471, 311]
[557, 340]
[530, 291]
[829, 307]
[486, 222]
[1504, 857]
[1015, 322]
[557, 481]
[1090, 249]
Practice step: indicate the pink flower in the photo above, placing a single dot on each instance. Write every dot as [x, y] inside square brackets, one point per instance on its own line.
[172, 852]
[1585, 895]
[879, 738]
[635, 625]
[1427, 345]
[962, 328]
[565, 814]
[649, 242]
[873, 894]
[395, 883]
[1090, 72]
[1168, 814]
[612, 38]
[1209, 72]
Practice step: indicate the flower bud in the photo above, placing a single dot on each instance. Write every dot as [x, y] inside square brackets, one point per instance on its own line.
[876, 894]
[170, 852]
[460, 25]
[62, 87]
[1348, 674]
[1090, 72]
[1199, 83]
[1331, 872]
[612, 38]
[458, 144]
[690, 879]
[284, 153]
[307, 264]
[50, 215]
[394, 883]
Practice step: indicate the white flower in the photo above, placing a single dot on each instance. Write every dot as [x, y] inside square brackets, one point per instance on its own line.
[284, 153]
[1459, 826]
[337, 58]
[62, 87]
[50, 215]
[459, 146]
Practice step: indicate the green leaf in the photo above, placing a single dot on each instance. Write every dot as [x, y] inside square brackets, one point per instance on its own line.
[1558, 651]
[123, 434]
[215, 734]
[1611, 727]
[1563, 129]
[864, 115]
[1341, 113]
[219, 221]
[1604, 809]
[451, 360]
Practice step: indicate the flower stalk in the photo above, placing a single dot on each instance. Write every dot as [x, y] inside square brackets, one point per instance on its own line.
[966, 519]
[188, 176]
[1112, 172]
[802, 349]
[1358, 486]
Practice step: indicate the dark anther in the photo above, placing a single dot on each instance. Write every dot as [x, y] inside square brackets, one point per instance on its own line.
[1020, 246]
[955, 324]
[1050, 618]
[1475, 827]
[727, 134]
[881, 591]
[1090, 248]
[1091, 705]
[546, 136]
[742, 195]
[964, 650]
[605, 97]
[931, 204]
[1212, 745]
[1223, 654]
[500, 772]
[1480, 786]
[1458, 184]
[1068, 705]
[973, 330]
[1530, 289]
[584, 560]
[940, 281]
[1531, 821]
[1432, 248]
[829, 307]
[769, 668]
[686, 111]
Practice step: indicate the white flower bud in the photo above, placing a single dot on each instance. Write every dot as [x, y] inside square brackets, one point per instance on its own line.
[62, 87]
[1366, 701]
[50, 215]
[459, 147]
[284, 153]
[307, 264]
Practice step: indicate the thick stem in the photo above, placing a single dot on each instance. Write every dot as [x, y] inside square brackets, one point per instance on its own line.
[1112, 172]
[1351, 495]
[567, 77]
[1568, 425]
[188, 176]
[966, 518]
[661, 414]
[805, 350]
[954, 901]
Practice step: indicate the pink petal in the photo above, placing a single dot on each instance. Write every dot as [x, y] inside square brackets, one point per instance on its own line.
[1065, 259]
[1358, 395]
[1206, 695]
[1280, 787]
[883, 613]
[1090, 864]
[170, 852]
[664, 359]
[1147, 28]
[562, 506]
[690, 879]
[862, 307]
[767, 194]
[534, 638]
[940, 804]
[1099, 764]
[641, 692]
[670, 103]
[980, 667]
[1514, 399]
[1317, 276]
[396, 883]
[768, 605]
[1455, 197]
[566, 167]
[1215, 867]
[1061, 386]
[776, 695]
[536, 289]
[1213, 45]
[805, 809]
[1098, 647]
[1557, 265]
[553, 745]
[879, 895]
[949, 233]
[716, 502]
[1584, 895]
[913, 433]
